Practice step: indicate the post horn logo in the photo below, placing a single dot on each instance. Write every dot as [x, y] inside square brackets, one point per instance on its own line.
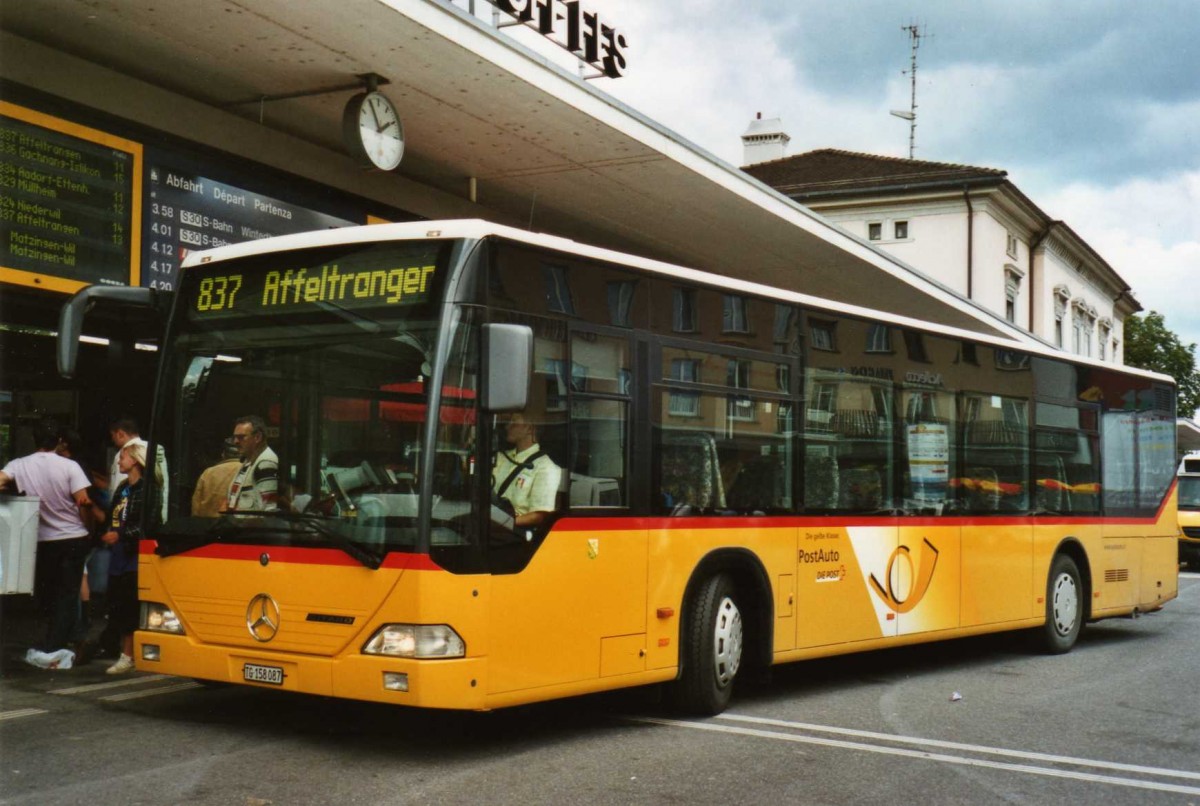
[262, 617]
[898, 599]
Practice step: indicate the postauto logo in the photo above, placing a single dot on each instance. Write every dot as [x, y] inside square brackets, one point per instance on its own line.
[903, 598]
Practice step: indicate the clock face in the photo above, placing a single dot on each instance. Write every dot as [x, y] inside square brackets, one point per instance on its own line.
[378, 135]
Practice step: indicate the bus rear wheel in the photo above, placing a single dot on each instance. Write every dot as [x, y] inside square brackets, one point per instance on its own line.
[1064, 606]
[712, 650]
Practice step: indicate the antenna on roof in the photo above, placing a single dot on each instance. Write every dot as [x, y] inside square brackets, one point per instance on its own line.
[915, 35]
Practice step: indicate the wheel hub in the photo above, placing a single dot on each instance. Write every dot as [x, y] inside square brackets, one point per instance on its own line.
[1065, 604]
[727, 642]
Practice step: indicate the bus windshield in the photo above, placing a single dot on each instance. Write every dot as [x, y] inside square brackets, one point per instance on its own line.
[1189, 492]
[296, 400]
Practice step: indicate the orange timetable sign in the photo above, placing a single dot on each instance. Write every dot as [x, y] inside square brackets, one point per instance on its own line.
[70, 203]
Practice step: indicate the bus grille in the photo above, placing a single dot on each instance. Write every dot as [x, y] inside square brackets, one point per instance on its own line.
[1116, 575]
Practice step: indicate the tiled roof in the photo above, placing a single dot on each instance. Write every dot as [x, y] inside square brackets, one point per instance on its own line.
[829, 171]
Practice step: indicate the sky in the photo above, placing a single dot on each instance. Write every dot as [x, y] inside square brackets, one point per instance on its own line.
[1091, 106]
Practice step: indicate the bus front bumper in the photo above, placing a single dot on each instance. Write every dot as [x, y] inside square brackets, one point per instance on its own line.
[453, 683]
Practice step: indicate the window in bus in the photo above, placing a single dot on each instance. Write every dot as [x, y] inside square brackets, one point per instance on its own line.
[1066, 471]
[995, 454]
[848, 442]
[822, 334]
[929, 444]
[879, 338]
[725, 454]
[683, 310]
[1189, 492]
[734, 315]
[1138, 439]
[620, 302]
[599, 430]
[558, 290]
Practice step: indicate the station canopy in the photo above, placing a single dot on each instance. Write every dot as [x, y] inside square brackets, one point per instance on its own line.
[546, 149]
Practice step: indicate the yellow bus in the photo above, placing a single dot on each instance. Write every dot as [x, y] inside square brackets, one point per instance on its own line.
[741, 475]
[1189, 511]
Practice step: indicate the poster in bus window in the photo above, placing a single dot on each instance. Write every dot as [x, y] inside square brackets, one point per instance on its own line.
[928, 463]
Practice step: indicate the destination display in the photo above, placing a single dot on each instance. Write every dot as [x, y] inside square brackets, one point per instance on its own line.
[187, 213]
[378, 276]
[69, 203]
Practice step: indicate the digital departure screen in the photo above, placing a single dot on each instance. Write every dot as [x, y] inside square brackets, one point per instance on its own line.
[69, 203]
[377, 276]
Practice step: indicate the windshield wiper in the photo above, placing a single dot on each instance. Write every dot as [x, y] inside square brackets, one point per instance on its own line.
[312, 523]
[227, 525]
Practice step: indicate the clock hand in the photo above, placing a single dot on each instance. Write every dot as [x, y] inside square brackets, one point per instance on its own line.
[374, 114]
[387, 126]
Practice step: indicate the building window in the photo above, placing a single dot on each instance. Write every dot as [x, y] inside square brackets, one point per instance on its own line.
[1012, 289]
[1011, 245]
[558, 292]
[823, 334]
[1102, 342]
[685, 404]
[875, 231]
[879, 339]
[900, 228]
[914, 343]
[620, 302]
[684, 311]
[734, 318]
[1061, 295]
[737, 376]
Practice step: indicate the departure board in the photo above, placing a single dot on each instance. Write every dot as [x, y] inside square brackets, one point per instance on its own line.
[187, 213]
[69, 203]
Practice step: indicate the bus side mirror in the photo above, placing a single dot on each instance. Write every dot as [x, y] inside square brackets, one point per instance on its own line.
[509, 351]
[70, 319]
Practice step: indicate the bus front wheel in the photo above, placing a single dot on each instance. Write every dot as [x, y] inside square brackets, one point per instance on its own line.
[712, 649]
[1064, 606]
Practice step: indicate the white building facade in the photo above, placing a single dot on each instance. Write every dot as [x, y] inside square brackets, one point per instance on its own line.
[973, 231]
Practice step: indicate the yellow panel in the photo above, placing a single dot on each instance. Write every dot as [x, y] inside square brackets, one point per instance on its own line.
[926, 579]
[785, 606]
[834, 596]
[547, 621]
[997, 574]
[622, 654]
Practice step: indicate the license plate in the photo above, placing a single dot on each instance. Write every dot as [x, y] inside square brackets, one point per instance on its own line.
[253, 673]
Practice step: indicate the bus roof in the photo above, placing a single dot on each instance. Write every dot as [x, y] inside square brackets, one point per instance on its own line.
[478, 229]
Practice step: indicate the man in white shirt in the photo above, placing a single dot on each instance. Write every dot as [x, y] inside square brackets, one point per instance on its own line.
[255, 486]
[61, 486]
[525, 476]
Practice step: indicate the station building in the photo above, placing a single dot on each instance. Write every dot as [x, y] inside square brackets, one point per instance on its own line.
[134, 132]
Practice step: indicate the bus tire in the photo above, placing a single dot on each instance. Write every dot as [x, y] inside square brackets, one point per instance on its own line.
[712, 649]
[1064, 606]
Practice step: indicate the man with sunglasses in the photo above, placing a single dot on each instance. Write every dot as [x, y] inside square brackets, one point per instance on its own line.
[255, 486]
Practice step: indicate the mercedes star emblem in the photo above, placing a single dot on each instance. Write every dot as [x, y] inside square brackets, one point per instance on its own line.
[262, 617]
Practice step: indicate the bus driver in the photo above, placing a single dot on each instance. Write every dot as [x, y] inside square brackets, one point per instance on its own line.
[525, 476]
[255, 486]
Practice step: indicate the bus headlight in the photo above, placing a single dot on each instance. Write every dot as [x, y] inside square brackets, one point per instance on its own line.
[416, 641]
[160, 618]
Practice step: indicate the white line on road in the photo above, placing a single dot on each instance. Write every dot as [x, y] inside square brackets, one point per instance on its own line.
[967, 748]
[154, 692]
[22, 712]
[128, 681]
[925, 755]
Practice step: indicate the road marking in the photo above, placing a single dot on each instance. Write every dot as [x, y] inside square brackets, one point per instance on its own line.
[1160, 786]
[128, 681]
[966, 748]
[22, 712]
[154, 692]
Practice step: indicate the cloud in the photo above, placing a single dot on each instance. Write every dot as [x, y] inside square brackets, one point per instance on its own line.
[1149, 231]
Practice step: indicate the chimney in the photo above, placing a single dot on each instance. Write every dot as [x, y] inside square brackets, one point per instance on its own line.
[764, 140]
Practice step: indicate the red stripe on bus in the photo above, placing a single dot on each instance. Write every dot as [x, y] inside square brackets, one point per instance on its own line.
[298, 555]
